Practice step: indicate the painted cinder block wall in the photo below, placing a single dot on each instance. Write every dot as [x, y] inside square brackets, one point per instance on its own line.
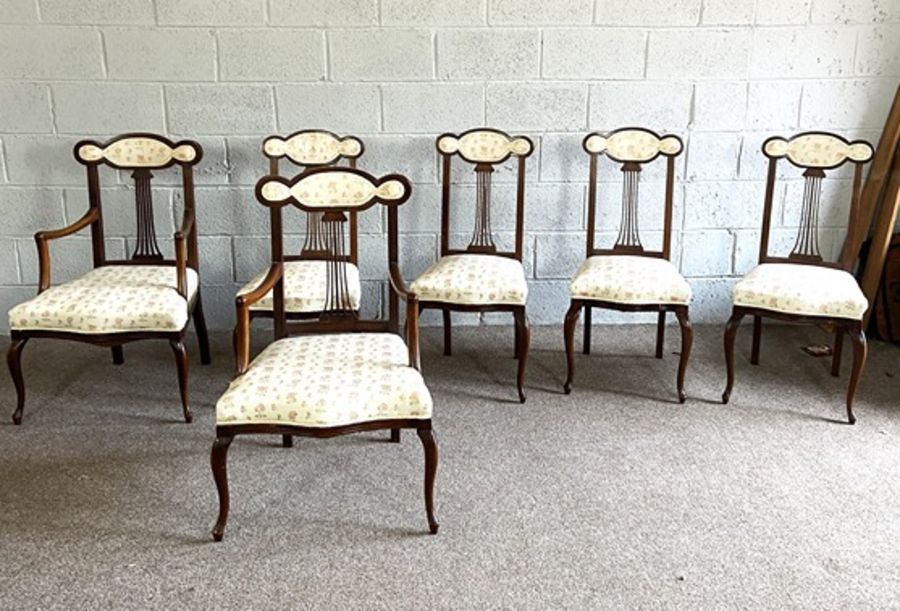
[722, 74]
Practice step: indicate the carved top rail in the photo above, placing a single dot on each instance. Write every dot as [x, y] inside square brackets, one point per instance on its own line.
[484, 145]
[313, 147]
[333, 189]
[139, 151]
[820, 150]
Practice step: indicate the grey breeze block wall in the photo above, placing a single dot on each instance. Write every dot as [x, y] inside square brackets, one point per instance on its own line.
[723, 74]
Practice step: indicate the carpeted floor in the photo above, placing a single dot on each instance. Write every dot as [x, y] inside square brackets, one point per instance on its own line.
[615, 496]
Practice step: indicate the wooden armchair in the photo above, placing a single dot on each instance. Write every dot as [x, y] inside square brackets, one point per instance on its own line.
[480, 278]
[351, 375]
[628, 277]
[305, 291]
[802, 286]
[144, 297]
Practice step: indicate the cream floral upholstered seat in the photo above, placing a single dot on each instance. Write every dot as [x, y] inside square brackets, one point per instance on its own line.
[805, 290]
[110, 299]
[305, 287]
[630, 279]
[327, 380]
[473, 280]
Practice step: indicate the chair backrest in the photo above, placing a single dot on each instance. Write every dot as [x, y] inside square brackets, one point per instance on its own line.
[633, 147]
[141, 153]
[315, 148]
[334, 193]
[484, 148]
[812, 152]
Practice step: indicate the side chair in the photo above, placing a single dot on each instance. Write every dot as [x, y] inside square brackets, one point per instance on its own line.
[803, 286]
[121, 301]
[629, 277]
[337, 374]
[479, 277]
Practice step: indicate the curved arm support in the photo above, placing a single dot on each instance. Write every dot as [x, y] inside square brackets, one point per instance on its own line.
[42, 239]
[181, 251]
[412, 314]
[242, 305]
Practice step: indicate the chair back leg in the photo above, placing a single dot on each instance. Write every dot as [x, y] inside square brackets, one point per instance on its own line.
[200, 328]
[660, 334]
[118, 355]
[525, 340]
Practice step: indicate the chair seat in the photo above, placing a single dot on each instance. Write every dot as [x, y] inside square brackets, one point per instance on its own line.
[110, 299]
[629, 279]
[326, 381]
[305, 287]
[803, 290]
[473, 280]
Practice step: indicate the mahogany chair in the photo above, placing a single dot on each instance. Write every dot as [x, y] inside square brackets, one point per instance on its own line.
[351, 374]
[802, 286]
[628, 277]
[479, 277]
[305, 290]
[121, 301]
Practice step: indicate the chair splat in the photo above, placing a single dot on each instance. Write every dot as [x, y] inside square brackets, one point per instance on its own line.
[806, 245]
[482, 235]
[146, 248]
[629, 234]
[338, 303]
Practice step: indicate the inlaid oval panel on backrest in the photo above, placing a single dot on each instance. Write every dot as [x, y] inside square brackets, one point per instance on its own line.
[484, 145]
[633, 144]
[313, 147]
[133, 151]
[818, 150]
[322, 189]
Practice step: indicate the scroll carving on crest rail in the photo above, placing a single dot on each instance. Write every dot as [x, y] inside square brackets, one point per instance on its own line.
[818, 150]
[313, 148]
[139, 151]
[636, 145]
[333, 188]
[484, 146]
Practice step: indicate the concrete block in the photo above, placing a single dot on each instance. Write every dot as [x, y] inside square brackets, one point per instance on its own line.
[558, 255]
[220, 109]
[271, 55]
[640, 103]
[339, 13]
[537, 106]
[218, 310]
[108, 108]
[727, 12]
[254, 254]
[413, 156]
[713, 155]
[381, 55]
[26, 108]
[422, 213]
[773, 105]
[778, 12]
[698, 54]
[50, 53]
[26, 211]
[720, 105]
[70, 258]
[724, 205]
[605, 53]
[649, 12]
[246, 163]
[178, 54]
[712, 299]
[216, 260]
[227, 212]
[539, 12]
[98, 11]
[802, 52]
[432, 108]
[488, 54]
[343, 109]
[547, 303]
[562, 158]
[846, 104]
[432, 12]
[876, 51]
[19, 11]
[9, 271]
[554, 207]
[211, 12]
[841, 11]
[42, 160]
[706, 252]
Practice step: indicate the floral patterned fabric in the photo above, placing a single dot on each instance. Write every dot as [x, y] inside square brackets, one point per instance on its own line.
[334, 188]
[110, 299]
[631, 280]
[327, 380]
[305, 287]
[473, 280]
[806, 290]
[485, 146]
[313, 147]
[818, 150]
[637, 145]
[138, 152]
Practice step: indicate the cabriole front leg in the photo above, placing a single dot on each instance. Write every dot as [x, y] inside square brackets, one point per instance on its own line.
[429, 445]
[687, 341]
[569, 336]
[730, 332]
[14, 360]
[860, 350]
[218, 461]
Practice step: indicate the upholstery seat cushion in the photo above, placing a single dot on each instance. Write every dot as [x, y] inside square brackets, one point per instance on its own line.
[110, 299]
[804, 290]
[325, 381]
[629, 279]
[305, 287]
[473, 280]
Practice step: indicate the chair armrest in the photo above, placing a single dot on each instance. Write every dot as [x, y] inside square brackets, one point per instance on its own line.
[42, 239]
[412, 314]
[187, 226]
[397, 284]
[242, 306]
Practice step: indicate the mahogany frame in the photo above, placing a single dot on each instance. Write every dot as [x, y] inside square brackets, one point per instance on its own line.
[576, 305]
[853, 328]
[522, 330]
[343, 322]
[146, 252]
